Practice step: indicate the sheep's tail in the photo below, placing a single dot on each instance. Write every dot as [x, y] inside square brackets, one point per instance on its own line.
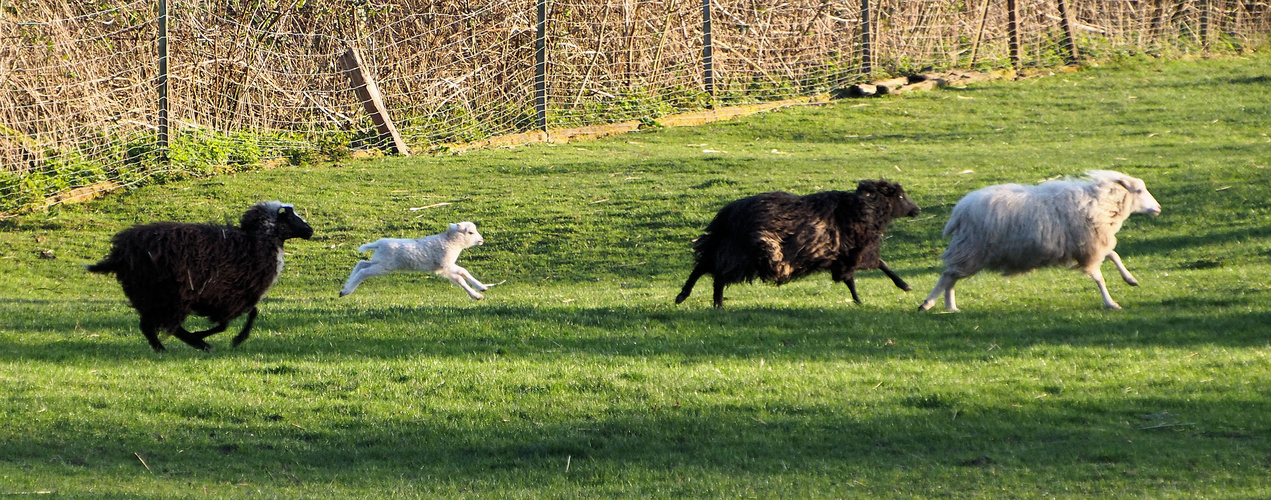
[374, 245]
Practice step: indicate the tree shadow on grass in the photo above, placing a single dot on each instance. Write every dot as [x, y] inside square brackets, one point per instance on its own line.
[1052, 442]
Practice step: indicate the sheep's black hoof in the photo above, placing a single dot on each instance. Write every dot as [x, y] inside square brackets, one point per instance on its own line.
[680, 299]
[907, 288]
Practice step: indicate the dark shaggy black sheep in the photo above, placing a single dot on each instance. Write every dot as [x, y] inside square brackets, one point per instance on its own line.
[780, 237]
[170, 269]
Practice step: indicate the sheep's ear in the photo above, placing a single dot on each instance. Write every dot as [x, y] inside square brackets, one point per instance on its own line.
[1127, 183]
[454, 226]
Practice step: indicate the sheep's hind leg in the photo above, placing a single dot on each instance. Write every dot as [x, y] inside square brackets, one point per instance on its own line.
[247, 328]
[900, 283]
[1103, 287]
[1125, 273]
[698, 271]
[457, 279]
[181, 333]
[477, 284]
[945, 286]
[220, 327]
[363, 270]
[718, 295]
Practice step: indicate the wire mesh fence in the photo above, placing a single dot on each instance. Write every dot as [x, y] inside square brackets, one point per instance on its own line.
[253, 80]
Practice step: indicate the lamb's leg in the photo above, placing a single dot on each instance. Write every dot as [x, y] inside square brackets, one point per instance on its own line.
[718, 296]
[698, 271]
[1097, 275]
[152, 335]
[363, 270]
[900, 283]
[477, 284]
[851, 286]
[1125, 273]
[247, 328]
[945, 286]
[457, 279]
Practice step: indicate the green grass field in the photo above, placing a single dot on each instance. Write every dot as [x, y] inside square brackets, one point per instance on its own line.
[579, 377]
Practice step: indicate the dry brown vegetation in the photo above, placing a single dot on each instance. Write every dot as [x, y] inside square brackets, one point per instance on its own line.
[77, 79]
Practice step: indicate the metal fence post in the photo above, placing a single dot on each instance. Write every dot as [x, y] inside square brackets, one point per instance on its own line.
[1012, 21]
[867, 54]
[163, 80]
[1206, 31]
[708, 66]
[540, 68]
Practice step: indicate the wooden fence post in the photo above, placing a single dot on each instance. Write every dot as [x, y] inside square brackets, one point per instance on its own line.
[979, 34]
[1070, 42]
[368, 93]
[1012, 25]
[867, 53]
[708, 65]
[540, 68]
[163, 81]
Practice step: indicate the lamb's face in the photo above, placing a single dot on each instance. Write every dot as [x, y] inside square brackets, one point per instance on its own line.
[466, 232]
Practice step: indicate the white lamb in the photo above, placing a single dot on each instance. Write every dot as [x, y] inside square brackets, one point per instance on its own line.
[436, 253]
[1014, 229]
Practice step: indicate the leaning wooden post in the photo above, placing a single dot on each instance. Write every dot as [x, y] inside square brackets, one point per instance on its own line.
[867, 54]
[708, 65]
[979, 34]
[163, 80]
[1012, 25]
[540, 68]
[1070, 42]
[369, 95]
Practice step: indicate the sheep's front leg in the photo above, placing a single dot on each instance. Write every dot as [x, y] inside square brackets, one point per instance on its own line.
[1125, 273]
[247, 328]
[851, 286]
[152, 335]
[900, 283]
[1103, 287]
[456, 278]
[698, 270]
[945, 286]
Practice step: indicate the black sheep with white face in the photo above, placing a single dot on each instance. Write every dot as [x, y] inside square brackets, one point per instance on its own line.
[169, 270]
[779, 237]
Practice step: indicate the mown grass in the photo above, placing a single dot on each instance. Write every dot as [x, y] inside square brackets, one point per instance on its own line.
[579, 377]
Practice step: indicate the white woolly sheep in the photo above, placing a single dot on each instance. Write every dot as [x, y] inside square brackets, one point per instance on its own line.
[1014, 229]
[170, 269]
[437, 253]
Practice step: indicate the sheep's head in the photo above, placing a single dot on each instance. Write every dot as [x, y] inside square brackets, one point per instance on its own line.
[277, 217]
[1139, 201]
[889, 196]
[466, 233]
